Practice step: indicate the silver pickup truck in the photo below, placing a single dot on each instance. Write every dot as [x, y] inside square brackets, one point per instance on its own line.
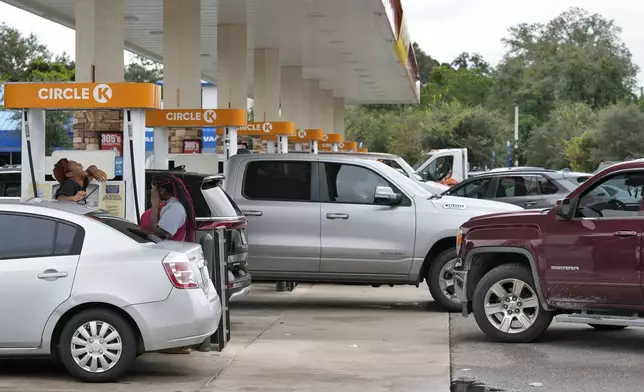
[343, 219]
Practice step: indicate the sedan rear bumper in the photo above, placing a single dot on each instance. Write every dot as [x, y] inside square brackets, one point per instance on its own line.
[184, 319]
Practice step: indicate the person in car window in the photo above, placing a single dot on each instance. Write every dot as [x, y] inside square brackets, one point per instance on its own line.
[74, 179]
[172, 215]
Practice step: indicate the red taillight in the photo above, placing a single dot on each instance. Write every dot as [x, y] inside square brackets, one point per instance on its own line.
[180, 274]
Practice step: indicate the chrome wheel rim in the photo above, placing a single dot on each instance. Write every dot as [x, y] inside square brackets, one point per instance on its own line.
[96, 346]
[511, 306]
[446, 281]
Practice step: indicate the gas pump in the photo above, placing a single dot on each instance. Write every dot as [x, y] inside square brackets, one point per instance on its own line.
[122, 196]
[331, 141]
[227, 121]
[312, 136]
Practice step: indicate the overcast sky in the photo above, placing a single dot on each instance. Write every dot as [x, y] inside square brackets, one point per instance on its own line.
[442, 28]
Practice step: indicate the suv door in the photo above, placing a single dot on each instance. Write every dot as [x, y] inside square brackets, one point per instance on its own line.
[281, 200]
[359, 236]
[520, 190]
[596, 257]
[37, 267]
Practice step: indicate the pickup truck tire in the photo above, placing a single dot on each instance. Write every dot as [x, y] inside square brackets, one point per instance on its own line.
[440, 280]
[506, 305]
[602, 327]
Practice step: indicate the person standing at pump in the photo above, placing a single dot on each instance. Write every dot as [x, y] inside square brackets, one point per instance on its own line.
[74, 180]
[171, 217]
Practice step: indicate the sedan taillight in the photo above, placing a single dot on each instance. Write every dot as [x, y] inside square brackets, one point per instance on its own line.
[180, 274]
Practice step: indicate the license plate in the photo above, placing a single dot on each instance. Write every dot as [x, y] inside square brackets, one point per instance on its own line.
[243, 237]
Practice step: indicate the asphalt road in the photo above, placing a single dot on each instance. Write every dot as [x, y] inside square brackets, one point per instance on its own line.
[568, 358]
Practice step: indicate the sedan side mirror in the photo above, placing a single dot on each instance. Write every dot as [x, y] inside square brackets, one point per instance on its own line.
[563, 209]
[386, 195]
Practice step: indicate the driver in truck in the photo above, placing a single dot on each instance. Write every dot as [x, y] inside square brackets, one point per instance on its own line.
[74, 179]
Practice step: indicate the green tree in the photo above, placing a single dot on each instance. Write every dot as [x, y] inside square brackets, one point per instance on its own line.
[425, 64]
[576, 57]
[142, 70]
[619, 133]
[17, 53]
[548, 144]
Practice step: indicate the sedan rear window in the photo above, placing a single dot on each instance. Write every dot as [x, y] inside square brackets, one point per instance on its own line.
[125, 227]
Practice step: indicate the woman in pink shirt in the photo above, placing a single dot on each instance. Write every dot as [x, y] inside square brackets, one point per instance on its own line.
[172, 215]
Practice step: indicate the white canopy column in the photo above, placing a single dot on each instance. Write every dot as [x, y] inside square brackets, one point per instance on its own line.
[266, 91]
[338, 116]
[181, 66]
[232, 74]
[293, 99]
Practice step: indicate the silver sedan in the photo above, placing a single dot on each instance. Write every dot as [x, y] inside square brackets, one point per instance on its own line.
[96, 291]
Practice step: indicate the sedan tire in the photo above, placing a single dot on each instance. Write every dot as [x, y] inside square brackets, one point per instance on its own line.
[506, 305]
[440, 279]
[97, 345]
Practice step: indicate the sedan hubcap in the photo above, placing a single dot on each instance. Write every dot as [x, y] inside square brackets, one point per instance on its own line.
[511, 305]
[446, 281]
[96, 346]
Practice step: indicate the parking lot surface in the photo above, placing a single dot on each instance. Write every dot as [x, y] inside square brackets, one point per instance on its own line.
[569, 357]
[316, 338]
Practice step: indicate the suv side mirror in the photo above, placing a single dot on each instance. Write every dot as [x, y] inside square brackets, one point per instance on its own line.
[563, 209]
[386, 195]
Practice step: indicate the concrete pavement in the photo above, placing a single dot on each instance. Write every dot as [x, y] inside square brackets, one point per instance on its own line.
[316, 338]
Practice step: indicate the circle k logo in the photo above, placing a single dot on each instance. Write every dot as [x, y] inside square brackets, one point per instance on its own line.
[341, 145]
[325, 138]
[102, 93]
[267, 127]
[210, 116]
[301, 133]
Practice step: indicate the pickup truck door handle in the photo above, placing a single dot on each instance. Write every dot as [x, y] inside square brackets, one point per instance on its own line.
[625, 233]
[51, 275]
[252, 213]
[530, 203]
[333, 215]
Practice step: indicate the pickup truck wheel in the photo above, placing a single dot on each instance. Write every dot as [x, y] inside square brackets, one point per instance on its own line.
[506, 306]
[440, 279]
[602, 327]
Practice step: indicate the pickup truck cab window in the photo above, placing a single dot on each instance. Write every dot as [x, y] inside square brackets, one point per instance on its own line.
[278, 180]
[619, 195]
[438, 168]
[351, 184]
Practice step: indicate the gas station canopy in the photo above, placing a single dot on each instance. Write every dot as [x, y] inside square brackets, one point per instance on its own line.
[360, 49]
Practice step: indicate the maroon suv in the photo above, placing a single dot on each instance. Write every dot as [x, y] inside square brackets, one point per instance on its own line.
[580, 261]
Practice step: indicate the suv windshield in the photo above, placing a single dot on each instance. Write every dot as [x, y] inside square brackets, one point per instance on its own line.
[124, 227]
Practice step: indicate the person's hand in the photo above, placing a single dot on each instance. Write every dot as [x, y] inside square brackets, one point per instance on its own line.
[98, 174]
[155, 198]
[80, 195]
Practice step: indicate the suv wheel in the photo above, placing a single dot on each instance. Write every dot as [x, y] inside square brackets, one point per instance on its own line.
[506, 306]
[97, 345]
[440, 279]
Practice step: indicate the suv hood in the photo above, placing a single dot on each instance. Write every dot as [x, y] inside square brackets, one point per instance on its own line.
[469, 204]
